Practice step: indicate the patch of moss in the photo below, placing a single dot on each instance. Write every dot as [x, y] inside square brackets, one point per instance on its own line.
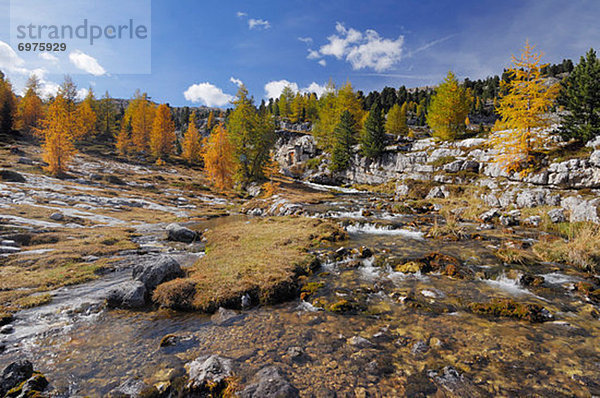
[309, 289]
[508, 308]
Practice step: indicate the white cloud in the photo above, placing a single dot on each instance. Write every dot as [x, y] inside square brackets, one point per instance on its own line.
[313, 54]
[306, 40]
[315, 88]
[235, 81]
[322, 62]
[48, 89]
[274, 88]
[361, 49]
[86, 63]
[241, 14]
[258, 24]
[48, 57]
[82, 93]
[208, 94]
[10, 60]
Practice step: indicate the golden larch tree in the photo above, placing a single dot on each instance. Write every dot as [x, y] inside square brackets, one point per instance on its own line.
[59, 133]
[86, 115]
[219, 162]
[124, 142]
[31, 108]
[191, 146]
[210, 122]
[448, 109]
[523, 112]
[396, 120]
[162, 135]
[141, 114]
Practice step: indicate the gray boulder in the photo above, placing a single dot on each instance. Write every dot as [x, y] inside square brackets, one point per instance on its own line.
[130, 388]
[489, 215]
[270, 383]
[454, 167]
[595, 158]
[57, 216]
[581, 209]
[557, 215]
[15, 374]
[438, 192]
[208, 371]
[155, 272]
[534, 221]
[11, 176]
[178, 233]
[130, 294]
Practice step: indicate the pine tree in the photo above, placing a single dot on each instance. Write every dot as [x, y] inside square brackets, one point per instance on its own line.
[253, 137]
[522, 109]
[396, 120]
[285, 102]
[372, 136]
[8, 106]
[449, 108]
[580, 95]
[344, 134]
[107, 116]
[192, 148]
[218, 155]
[31, 109]
[297, 108]
[162, 135]
[59, 133]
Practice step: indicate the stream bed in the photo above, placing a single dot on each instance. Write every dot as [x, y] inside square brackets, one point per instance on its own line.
[394, 333]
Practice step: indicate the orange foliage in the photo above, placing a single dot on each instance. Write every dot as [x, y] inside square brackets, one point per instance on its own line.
[218, 157]
[162, 135]
[191, 142]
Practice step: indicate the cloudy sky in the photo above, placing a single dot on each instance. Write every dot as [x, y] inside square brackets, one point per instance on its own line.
[200, 51]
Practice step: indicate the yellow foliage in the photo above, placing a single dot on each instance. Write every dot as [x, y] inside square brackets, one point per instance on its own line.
[219, 162]
[140, 113]
[162, 135]
[59, 132]
[522, 111]
[31, 109]
[449, 109]
[191, 142]
[86, 118]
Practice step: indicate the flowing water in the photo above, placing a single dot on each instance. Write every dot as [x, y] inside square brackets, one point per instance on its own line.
[406, 334]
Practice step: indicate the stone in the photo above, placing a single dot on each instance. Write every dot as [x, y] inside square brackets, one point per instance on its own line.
[15, 374]
[178, 233]
[595, 158]
[296, 354]
[438, 192]
[454, 167]
[37, 383]
[401, 191]
[209, 372]
[581, 209]
[11, 176]
[471, 166]
[360, 342]
[557, 215]
[420, 347]
[489, 215]
[57, 216]
[130, 388]
[7, 329]
[9, 249]
[224, 316]
[27, 161]
[534, 221]
[130, 294]
[269, 383]
[155, 272]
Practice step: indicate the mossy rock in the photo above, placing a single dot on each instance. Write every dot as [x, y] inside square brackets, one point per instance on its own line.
[310, 288]
[508, 308]
[341, 306]
[411, 267]
[5, 318]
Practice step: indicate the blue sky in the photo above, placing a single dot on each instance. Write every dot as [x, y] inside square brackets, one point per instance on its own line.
[200, 49]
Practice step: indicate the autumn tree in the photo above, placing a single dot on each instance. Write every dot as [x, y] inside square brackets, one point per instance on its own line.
[396, 120]
[523, 113]
[218, 155]
[162, 135]
[8, 106]
[31, 108]
[210, 122]
[449, 108]
[59, 132]
[107, 116]
[252, 135]
[285, 102]
[86, 115]
[192, 148]
[124, 143]
[372, 135]
[344, 134]
[580, 96]
[297, 110]
[140, 113]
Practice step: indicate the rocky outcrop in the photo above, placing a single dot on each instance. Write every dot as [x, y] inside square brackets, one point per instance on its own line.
[269, 382]
[208, 373]
[11, 176]
[19, 380]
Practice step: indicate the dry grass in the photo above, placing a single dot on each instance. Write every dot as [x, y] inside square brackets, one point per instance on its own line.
[580, 249]
[261, 258]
